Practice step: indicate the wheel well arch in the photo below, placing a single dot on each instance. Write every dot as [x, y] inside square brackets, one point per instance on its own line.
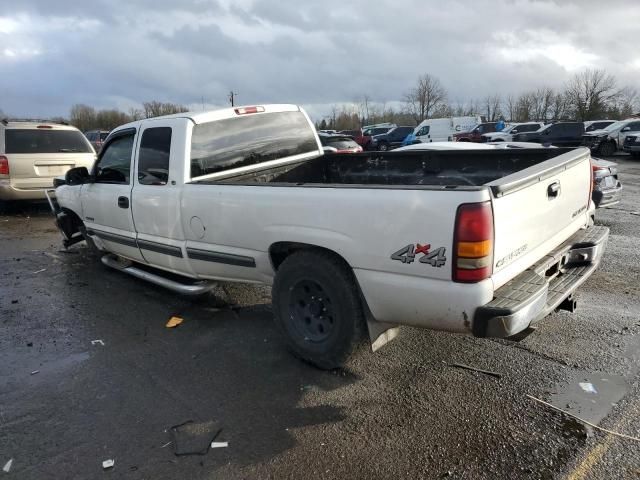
[279, 251]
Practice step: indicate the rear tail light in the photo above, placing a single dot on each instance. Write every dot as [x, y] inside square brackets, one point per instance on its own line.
[246, 110]
[4, 165]
[473, 243]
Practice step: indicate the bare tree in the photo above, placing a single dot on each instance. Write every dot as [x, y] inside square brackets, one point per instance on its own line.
[492, 107]
[590, 93]
[510, 105]
[156, 109]
[627, 103]
[109, 119]
[83, 117]
[424, 97]
[559, 107]
[541, 100]
[135, 114]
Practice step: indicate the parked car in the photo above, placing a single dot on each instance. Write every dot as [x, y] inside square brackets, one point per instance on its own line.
[591, 125]
[96, 138]
[364, 139]
[33, 153]
[607, 188]
[351, 133]
[560, 134]
[609, 140]
[632, 145]
[339, 144]
[475, 134]
[441, 129]
[507, 134]
[390, 140]
[260, 211]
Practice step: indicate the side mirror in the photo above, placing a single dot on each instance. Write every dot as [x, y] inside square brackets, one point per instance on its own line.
[626, 129]
[77, 176]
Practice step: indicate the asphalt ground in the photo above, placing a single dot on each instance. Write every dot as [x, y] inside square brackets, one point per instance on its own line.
[67, 403]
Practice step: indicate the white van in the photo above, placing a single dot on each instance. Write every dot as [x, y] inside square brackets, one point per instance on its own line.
[442, 129]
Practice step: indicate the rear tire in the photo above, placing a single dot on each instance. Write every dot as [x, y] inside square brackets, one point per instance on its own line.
[317, 308]
[383, 147]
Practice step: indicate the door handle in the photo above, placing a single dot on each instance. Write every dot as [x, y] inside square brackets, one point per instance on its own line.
[553, 190]
[123, 202]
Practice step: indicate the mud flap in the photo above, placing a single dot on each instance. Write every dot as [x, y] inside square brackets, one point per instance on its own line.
[381, 333]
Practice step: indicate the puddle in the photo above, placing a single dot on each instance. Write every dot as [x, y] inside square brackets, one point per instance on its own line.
[590, 405]
[592, 395]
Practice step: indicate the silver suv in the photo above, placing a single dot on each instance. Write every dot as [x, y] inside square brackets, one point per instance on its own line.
[33, 153]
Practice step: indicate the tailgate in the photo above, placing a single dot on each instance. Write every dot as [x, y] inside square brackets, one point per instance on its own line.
[537, 209]
[38, 170]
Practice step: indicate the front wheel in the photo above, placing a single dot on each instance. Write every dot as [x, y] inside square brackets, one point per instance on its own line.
[383, 147]
[607, 149]
[317, 308]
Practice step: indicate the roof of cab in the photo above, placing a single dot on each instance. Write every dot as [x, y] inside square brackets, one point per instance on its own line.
[212, 115]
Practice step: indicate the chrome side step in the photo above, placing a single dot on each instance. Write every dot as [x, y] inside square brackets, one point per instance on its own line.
[124, 265]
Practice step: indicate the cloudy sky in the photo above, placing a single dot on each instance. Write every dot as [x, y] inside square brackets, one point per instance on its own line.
[316, 53]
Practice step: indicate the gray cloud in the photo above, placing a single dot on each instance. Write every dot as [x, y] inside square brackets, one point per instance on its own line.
[55, 54]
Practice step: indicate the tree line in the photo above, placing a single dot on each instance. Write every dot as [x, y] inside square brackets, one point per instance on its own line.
[85, 117]
[588, 95]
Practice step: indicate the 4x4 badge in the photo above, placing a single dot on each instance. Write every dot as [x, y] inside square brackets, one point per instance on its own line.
[435, 258]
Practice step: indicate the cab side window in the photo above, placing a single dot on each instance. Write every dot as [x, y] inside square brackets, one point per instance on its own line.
[153, 161]
[114, 165]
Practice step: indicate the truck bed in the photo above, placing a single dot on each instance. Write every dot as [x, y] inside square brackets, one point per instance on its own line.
[412, 168]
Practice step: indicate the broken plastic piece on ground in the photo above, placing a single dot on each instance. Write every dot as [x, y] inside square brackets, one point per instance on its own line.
[39, 271]
[97, 342]
[7, 466]
[35, 371]
[108, 463]
[219, 444]
[194, 438]
[174, 322]
[588, 387]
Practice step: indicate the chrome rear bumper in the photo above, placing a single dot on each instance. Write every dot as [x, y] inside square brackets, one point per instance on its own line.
[542, 288]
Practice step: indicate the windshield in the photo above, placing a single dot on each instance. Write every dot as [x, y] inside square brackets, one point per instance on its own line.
[614, 126]
[31, 140]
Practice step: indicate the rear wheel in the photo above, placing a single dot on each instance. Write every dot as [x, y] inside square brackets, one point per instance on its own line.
[317, 308]
[607, 149]
[383, 147]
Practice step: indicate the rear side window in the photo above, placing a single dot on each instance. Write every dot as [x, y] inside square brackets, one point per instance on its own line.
[114, 165]
[249, 140]
[45, 141]
[528, 128]
[103, 136]
[153, 161]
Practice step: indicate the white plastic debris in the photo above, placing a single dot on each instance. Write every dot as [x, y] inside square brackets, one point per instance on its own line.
[219, 444]
[39, 271]
[35, 371]
[588, 387]
[108, 463]
[7, 466]
[97, 342]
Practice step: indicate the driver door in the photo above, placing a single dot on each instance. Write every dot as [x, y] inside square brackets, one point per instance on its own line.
[106, 202]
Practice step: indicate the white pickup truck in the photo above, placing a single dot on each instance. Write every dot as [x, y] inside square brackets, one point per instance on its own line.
[469, 241]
